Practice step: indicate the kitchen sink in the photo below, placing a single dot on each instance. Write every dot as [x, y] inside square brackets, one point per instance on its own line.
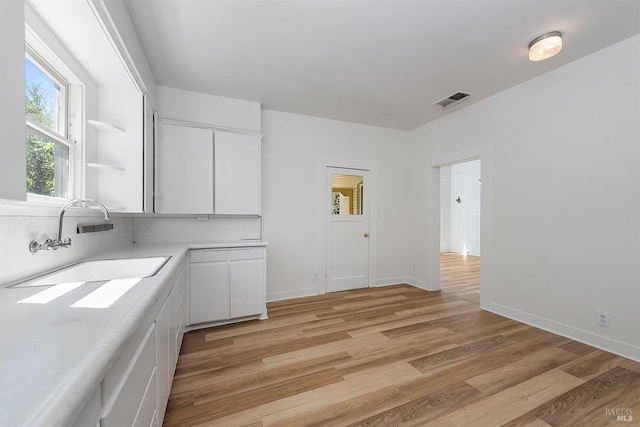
[97, 271]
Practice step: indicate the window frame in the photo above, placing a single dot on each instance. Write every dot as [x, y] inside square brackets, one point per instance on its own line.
[71, 125]
[63, 116]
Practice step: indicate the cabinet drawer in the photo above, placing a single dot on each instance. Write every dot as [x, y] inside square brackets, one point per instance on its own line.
[147, 410]
[123, 361]
[121, 410]
[207, 255]
[249, 253]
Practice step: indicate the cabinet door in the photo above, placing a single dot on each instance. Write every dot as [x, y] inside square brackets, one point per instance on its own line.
[181, 310]
[186, 171]
[209, 292]
[237, 173]
[148, 138]
[163, 357]
[246, 283]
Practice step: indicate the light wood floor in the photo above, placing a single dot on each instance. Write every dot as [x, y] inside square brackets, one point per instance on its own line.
[396, 356]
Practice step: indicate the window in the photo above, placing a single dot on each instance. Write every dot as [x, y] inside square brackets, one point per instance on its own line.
[346, 194]
[48, 148]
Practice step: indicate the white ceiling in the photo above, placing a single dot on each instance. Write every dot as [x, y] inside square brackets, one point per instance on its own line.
[376, 62]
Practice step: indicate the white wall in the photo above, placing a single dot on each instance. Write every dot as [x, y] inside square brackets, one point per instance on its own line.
[148, 229]
[213, 110]
[560, 196]
[295, 151]
[21, 223]
[12, 158]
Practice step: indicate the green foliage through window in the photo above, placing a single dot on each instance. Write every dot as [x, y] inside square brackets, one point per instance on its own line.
[335, 203]
[47, 159]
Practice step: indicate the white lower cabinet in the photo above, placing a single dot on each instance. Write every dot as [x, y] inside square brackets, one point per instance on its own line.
[246, 288]
[135, 389]
[147, 412]
[163, 328]
[90, 415]
[122, 407]
[181, 310]
[210, 291]
[167, 324]
[227, 284]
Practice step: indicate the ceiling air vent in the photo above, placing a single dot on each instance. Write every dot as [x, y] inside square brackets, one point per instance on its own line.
[453, 99]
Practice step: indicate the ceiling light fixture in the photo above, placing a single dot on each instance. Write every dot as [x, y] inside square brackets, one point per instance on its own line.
[545, 46]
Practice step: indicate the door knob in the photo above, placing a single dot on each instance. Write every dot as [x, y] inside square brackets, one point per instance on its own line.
[366, 234]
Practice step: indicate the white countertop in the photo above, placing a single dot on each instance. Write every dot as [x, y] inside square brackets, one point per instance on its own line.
[53, 356]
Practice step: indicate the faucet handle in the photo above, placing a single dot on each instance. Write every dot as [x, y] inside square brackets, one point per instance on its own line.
[34, 247]
[48, 245]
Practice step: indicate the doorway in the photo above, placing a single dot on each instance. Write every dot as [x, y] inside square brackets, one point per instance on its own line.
[460, 213]
[347, 206]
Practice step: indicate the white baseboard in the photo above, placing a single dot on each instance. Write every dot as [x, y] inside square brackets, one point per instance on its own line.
[308, 292]
[295, 293]
[620, 348]
[205, 325]
[418, 283]
[388, 281]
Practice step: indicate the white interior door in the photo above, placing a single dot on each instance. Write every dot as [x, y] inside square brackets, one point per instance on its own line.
[347, 207]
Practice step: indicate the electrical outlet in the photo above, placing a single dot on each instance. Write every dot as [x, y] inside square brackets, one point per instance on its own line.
[414, 266]
[603, 318]
[314, 275]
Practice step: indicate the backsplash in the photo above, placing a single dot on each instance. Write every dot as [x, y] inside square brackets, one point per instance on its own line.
[21, 223]
[180, 229]
[18, 230]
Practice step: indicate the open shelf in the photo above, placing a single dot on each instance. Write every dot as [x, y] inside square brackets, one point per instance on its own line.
[104, 126]
[103, 166]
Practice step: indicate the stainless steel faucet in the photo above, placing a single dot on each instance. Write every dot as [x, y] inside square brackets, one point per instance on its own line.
[51, 244]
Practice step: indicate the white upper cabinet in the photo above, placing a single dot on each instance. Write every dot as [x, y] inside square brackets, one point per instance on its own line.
[203, 170]
[237, 173]
[186, 170]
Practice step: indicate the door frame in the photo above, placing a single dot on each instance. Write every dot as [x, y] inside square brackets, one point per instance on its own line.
[329, 171]
[432, 200]
[321, 216]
